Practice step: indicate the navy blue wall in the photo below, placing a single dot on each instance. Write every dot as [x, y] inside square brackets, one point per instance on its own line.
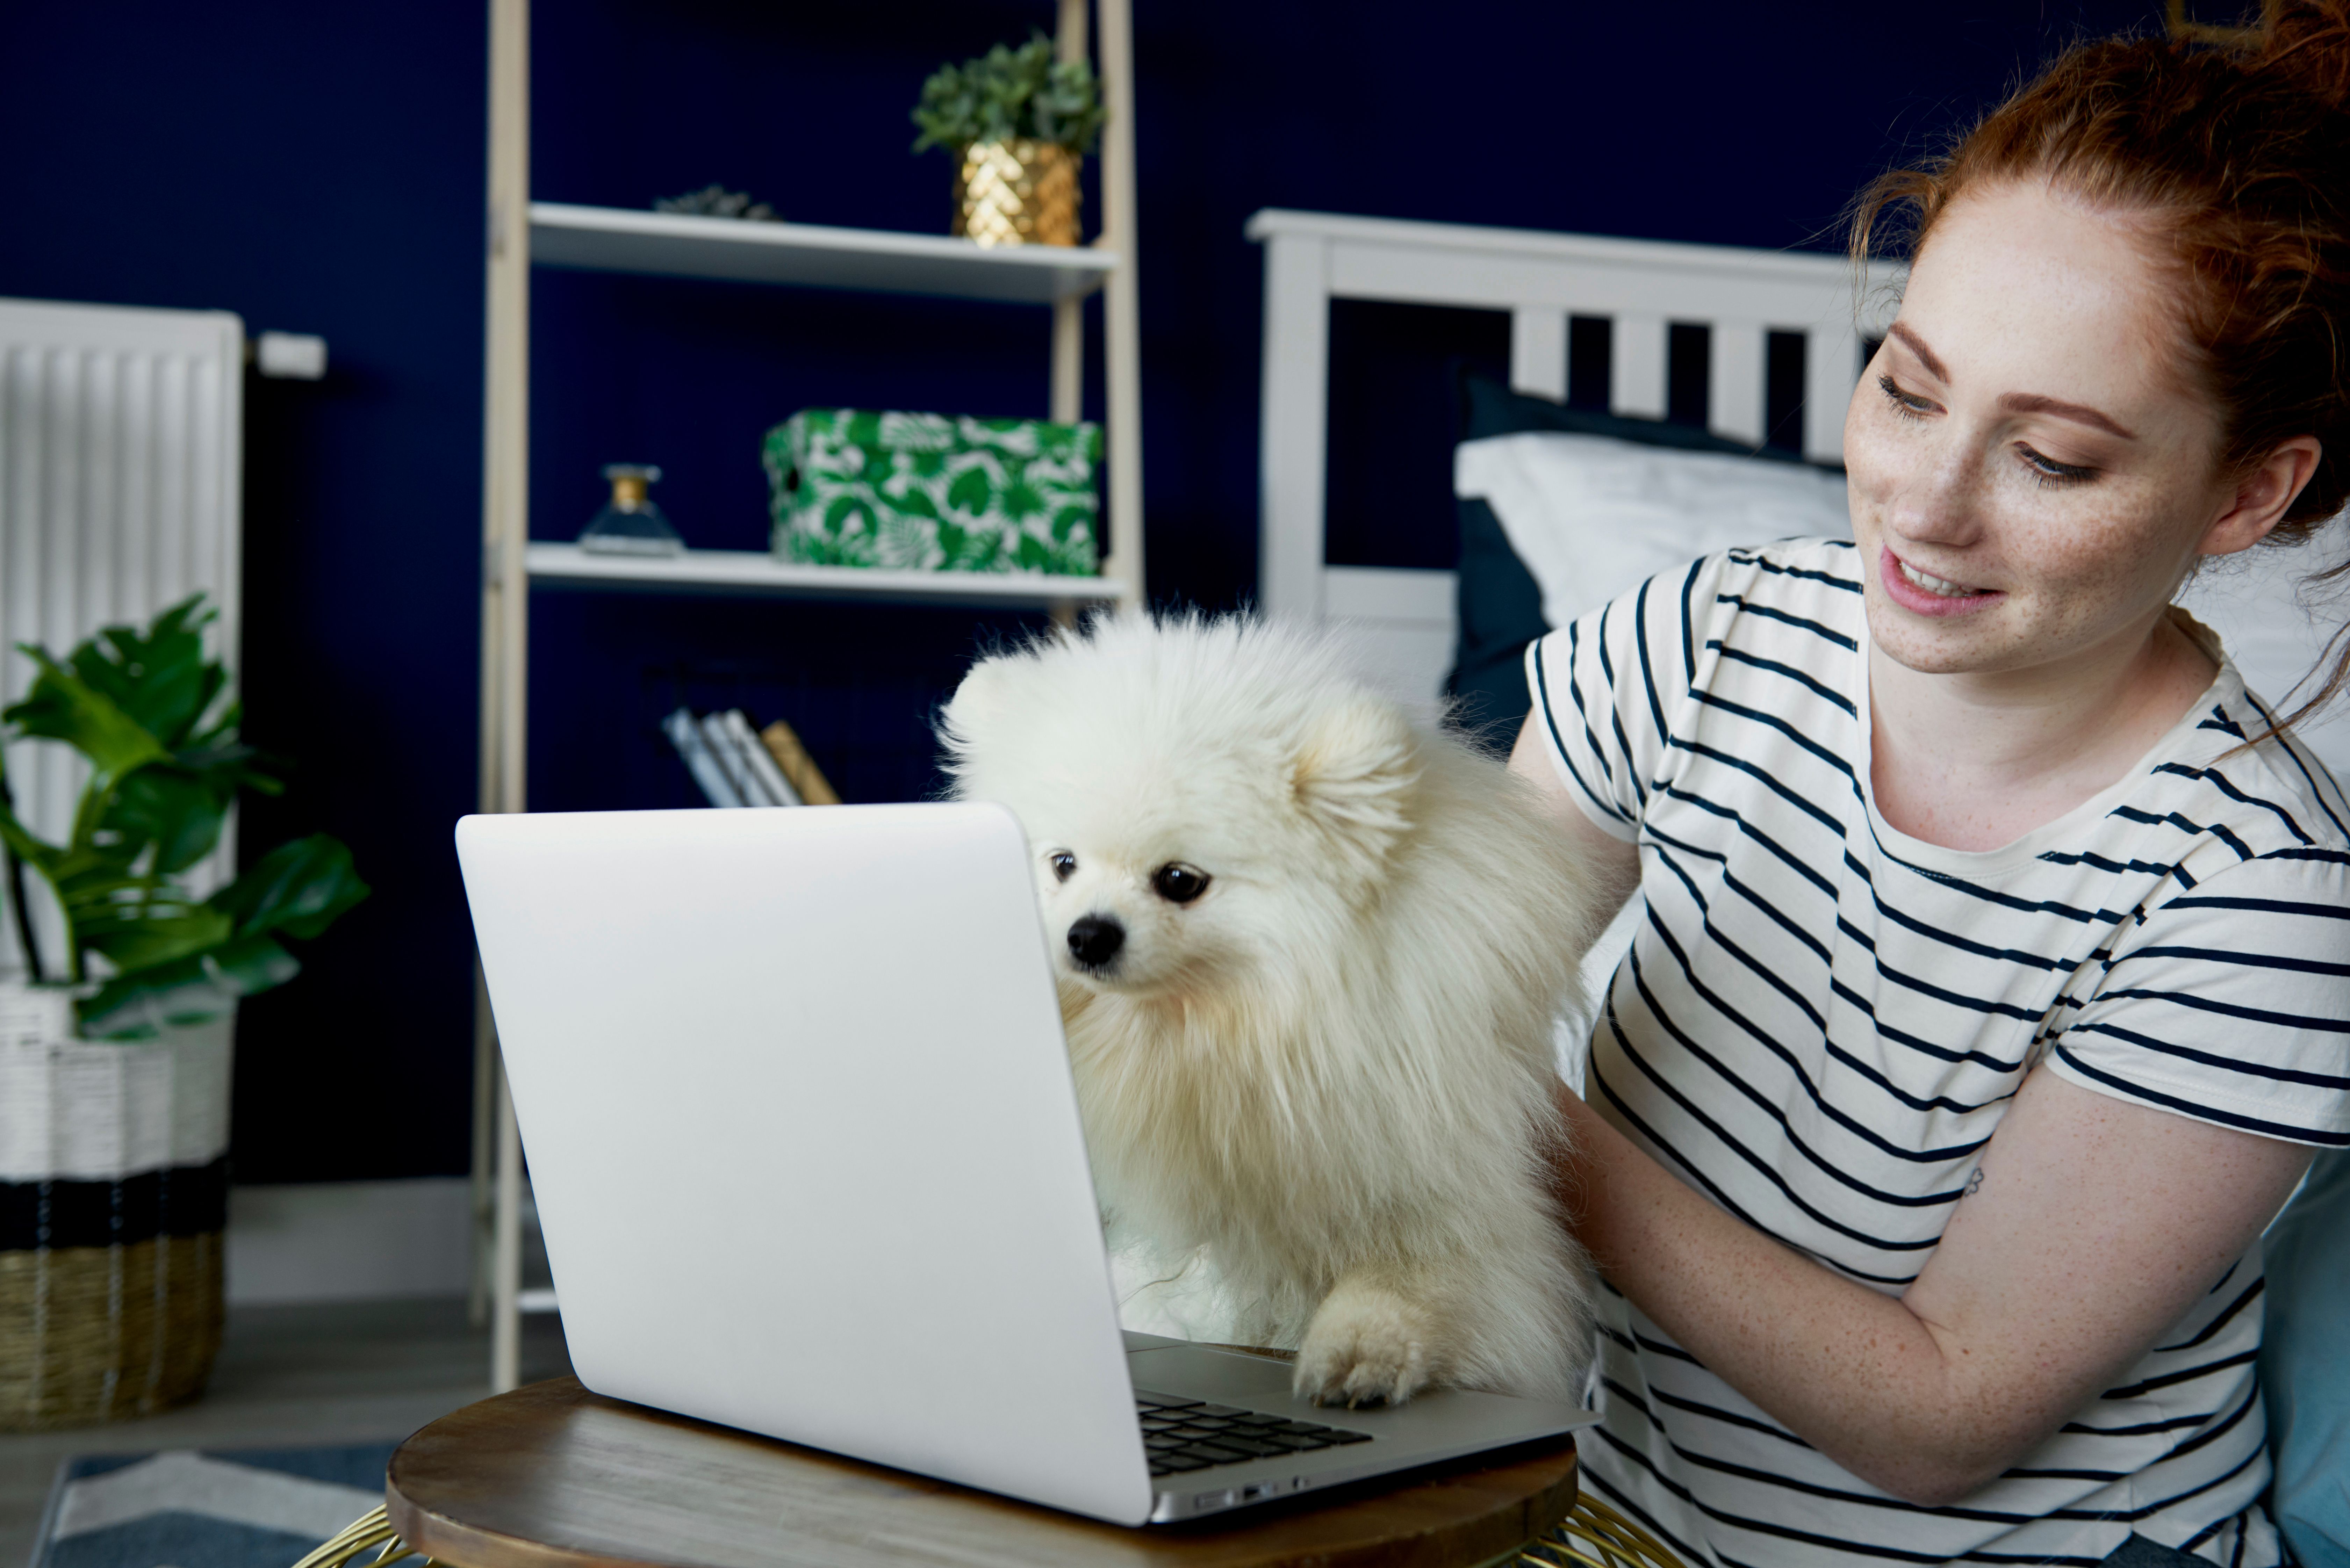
[319, 169]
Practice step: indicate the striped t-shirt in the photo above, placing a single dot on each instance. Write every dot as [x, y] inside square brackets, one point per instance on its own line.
[1822, 1019]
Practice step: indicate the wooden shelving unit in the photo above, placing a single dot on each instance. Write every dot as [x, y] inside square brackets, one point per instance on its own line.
[754, 572]
[878, 260]
[523, 234]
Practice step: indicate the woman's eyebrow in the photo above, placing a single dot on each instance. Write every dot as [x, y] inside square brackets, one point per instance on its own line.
[2014, 402]
[2080, 413]
[1918, 346]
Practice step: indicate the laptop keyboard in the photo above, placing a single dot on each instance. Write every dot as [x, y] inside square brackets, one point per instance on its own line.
[1191, 1435]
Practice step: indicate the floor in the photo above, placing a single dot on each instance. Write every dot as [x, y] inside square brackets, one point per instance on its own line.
[291, 1375]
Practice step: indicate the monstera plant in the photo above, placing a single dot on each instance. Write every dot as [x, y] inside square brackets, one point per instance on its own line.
[148, 711]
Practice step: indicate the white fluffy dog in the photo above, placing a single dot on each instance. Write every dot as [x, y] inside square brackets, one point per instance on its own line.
[1310, 954]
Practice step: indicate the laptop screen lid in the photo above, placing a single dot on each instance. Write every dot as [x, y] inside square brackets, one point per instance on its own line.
[801, 1129]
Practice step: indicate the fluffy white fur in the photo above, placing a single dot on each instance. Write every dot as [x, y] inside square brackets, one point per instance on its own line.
[1330, 1074]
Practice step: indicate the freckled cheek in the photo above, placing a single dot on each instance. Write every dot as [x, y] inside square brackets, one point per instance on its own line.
[1888, 461]
[1867, 485]
[2093, 545]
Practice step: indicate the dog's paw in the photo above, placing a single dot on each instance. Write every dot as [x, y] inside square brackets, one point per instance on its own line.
[1364, 1346]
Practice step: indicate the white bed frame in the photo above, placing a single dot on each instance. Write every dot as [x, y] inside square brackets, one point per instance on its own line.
[1541, 280]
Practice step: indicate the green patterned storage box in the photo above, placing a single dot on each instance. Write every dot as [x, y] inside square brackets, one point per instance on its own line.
[849, 487]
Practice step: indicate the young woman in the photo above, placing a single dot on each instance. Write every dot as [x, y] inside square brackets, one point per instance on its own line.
[1993, 979]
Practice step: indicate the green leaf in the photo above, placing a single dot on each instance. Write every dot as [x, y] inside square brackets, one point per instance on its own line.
[298, 889]
[150, 941]
[62, 707]
[846, 514]
[1007, 93]
[134, 1006]
[253, 964]
[158, 676]
[178, 810]
[23, 846]
[1020, 499]
[914, 503]
[970, 492]
[227, 766]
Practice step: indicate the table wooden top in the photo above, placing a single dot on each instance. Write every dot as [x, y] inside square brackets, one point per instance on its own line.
[552, 1476]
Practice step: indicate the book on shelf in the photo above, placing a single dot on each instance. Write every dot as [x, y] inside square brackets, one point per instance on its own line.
[738, 766]
[685, 733]
[783, 743]
[763, 781]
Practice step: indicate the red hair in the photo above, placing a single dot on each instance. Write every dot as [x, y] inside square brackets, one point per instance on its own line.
[2238, 160]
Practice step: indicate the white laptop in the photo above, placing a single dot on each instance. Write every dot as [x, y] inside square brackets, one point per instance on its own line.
[799, 1122]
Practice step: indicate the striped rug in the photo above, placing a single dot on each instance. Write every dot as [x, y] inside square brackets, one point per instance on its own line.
[184, 1508]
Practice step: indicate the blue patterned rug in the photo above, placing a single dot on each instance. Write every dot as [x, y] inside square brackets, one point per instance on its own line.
[181, 1507]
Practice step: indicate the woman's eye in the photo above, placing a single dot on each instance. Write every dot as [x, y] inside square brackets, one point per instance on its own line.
[1064, 865]
[2049, 474]
[1909, 405]
[1177, 883]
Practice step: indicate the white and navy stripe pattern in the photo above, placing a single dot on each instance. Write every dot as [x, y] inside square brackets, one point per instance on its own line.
[1821, 1021]
[233, 1509]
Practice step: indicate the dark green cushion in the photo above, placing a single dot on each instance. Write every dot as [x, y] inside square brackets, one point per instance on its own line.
[1499, 604]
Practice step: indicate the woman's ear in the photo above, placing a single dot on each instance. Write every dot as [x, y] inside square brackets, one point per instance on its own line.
[1353, 772]
[2263, 497]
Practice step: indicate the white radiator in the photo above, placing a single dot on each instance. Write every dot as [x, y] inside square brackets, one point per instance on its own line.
[120, 441]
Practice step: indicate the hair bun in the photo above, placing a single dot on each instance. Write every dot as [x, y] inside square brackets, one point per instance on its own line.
[2308, 42]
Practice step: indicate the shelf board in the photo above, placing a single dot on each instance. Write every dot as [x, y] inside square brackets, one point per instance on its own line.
[616, 239]
[756, 572]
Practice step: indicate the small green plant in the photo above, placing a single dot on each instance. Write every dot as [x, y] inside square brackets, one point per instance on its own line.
[1007, 94]
[145, 710]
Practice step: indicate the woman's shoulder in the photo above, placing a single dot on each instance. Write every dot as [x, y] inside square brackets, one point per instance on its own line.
[1818, 580]
[2249, 799]
[1804, 565]
[1787, 583]
[1794, 602]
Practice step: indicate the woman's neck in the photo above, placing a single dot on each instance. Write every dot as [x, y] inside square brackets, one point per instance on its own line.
[1975, 762]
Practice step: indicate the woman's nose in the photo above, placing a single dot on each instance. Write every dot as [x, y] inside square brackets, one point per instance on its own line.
[1937, 499]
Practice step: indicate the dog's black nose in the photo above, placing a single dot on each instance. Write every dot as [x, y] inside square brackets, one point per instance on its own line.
[1094, 939]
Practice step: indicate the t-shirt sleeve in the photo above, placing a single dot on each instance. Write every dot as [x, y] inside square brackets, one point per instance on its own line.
[1609, 686]
[2230, 1003]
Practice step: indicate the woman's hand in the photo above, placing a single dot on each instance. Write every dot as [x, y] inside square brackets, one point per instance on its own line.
[2095, 1225]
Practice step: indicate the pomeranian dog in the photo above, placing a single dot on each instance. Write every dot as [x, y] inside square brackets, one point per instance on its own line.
[1310, 953]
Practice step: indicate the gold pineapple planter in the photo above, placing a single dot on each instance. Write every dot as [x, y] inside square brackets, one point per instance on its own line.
[1017, 192]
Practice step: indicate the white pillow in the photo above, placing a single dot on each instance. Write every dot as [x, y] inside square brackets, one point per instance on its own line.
[1593, 517]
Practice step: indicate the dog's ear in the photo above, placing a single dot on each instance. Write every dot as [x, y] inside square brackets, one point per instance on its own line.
[981, 697]
[1355, 772]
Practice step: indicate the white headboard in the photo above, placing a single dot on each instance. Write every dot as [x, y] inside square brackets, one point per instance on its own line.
[1541, 280]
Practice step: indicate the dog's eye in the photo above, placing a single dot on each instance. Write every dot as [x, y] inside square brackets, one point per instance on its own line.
[1177, 883]
[1064, 864]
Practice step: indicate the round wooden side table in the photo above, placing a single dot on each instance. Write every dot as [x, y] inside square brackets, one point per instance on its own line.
[552, 1476]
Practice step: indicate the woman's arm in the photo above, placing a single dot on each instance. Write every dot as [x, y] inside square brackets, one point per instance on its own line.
[2095, 1225]
[1617, 861]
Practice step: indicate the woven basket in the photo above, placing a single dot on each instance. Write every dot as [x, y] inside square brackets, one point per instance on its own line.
[113, 1199]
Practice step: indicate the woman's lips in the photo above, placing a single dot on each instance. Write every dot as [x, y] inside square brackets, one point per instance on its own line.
[1920, 599]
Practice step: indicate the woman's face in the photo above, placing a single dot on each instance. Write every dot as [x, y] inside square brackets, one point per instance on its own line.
[2031, 471]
